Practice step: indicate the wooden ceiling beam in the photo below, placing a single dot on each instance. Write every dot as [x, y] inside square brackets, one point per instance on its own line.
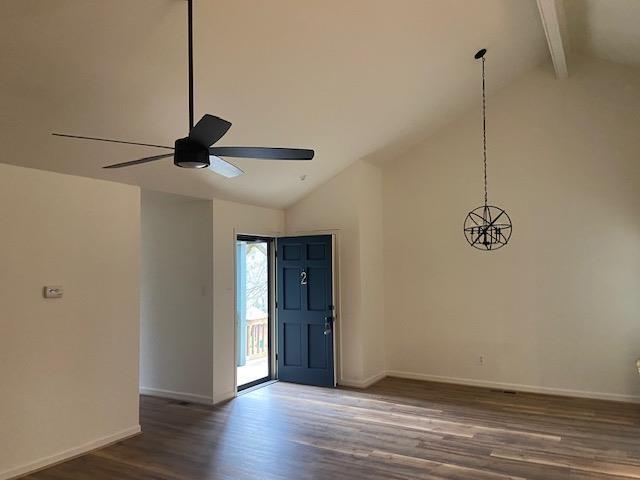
[554, 24]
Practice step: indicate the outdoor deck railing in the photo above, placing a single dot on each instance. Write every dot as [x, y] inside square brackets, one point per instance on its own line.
[257, 336]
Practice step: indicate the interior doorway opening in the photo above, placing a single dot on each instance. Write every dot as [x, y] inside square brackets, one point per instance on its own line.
[253, 310]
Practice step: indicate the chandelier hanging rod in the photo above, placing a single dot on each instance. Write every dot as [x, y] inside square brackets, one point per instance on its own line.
[480, 55]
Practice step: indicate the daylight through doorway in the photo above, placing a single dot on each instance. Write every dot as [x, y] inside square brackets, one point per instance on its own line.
[253, 306]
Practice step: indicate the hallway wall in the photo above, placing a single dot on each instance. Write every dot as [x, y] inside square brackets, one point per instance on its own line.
[176, 294]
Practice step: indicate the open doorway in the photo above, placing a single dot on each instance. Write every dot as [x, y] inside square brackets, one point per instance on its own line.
[253, 310]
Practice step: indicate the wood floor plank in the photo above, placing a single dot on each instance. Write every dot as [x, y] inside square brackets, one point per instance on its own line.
[395, 430]
[592, 465]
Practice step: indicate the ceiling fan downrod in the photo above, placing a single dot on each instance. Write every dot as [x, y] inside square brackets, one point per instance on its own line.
[190, 47]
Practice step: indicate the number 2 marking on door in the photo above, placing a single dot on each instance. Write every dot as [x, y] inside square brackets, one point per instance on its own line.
[303, 278]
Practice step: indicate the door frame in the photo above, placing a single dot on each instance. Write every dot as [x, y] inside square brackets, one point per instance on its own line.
[271, 329]
[335, 275]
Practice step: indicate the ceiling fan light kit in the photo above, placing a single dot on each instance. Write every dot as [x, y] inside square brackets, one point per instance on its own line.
[190, 154]
[196, 150]
[486, 227]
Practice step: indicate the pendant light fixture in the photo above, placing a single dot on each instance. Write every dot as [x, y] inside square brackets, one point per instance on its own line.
[487, 227]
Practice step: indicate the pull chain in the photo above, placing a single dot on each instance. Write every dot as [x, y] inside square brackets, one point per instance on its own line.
[484, 134]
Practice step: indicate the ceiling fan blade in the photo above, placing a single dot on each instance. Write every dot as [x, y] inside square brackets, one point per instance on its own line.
[110, 140]
[263, 153]
[139, 161]
[224, 168]
[209, 130]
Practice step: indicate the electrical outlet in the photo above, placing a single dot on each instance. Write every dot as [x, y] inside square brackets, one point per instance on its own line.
[53, 291]
[481, 360]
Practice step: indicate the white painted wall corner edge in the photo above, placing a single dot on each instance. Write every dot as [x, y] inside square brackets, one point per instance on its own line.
[69, 454]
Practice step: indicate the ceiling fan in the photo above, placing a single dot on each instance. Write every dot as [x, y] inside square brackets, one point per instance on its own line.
[196, 150]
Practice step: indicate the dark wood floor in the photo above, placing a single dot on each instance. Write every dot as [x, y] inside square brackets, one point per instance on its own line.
[397, 429]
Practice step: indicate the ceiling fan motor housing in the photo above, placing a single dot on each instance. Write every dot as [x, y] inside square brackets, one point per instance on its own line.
[190, 154]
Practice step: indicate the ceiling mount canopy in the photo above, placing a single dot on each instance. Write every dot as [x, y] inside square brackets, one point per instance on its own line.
[486, 227]
[480, 53]
[196, 150]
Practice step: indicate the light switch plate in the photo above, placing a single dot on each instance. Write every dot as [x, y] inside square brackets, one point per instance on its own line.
[53, 291]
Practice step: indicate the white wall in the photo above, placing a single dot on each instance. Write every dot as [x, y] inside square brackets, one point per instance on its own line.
[176, 295]
[69, 366]
[558, 308]
[229, 220]
[350, 204]
[372, 272]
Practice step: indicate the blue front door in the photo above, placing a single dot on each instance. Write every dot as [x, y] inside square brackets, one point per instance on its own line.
[305, 310]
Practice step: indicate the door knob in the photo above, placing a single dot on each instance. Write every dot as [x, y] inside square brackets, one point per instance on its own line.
[328, 321]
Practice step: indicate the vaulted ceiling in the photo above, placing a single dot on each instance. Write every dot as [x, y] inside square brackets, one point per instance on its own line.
[351, 79]
[608, 29]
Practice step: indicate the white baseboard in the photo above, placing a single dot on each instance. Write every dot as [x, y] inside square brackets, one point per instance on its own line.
[182, 396]
[223, 397]
[65, 455]
[617, 397]
[367, 382]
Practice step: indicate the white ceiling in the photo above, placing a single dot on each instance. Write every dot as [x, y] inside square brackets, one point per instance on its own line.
[607, 29]
[351, 79]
